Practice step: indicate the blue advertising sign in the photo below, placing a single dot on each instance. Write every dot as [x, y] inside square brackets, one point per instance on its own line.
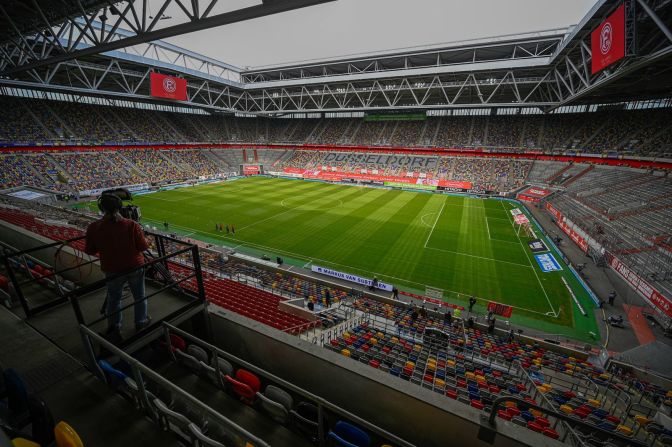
[547, 263]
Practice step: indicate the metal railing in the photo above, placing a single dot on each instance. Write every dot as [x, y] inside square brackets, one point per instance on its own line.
[140, 373]
[165, 279]
[17, 262]
[570, 421]
[321, 403]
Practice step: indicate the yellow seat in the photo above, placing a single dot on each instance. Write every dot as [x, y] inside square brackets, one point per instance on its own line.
[439, 382]
[410, 364]
[373, 341]
[627, 431]
[509, 404]
[469, 375]
[451, 362]
[66, 436]
[669, 393]
[21, 442]
[345, 352]
[566, 409]
[641, 419]
[594, 403]
[536, 413]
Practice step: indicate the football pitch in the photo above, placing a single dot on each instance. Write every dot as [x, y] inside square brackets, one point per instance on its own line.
[464, 246]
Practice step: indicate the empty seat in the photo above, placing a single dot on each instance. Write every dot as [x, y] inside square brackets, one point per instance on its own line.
[245, 384]
[349, 435]
[66, 436]
[171, 420]
[306, 419]
[202, 439]
[276, 402]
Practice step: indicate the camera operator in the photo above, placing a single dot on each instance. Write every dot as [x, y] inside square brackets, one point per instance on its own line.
[119, 243]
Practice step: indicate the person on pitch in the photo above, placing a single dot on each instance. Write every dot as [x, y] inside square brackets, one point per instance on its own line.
[472, 302]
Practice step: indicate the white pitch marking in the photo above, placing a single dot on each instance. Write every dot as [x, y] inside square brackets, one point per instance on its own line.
[555, 314]
[434, 226]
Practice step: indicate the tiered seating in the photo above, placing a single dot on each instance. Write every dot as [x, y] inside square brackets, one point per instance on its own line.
[253, 303]
[31, 223]
[636, 132]
[453, 375]
[285, 282]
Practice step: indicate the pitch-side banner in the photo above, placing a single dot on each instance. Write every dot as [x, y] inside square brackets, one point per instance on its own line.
[608, 41]
[349, 277]
[537, 246]
[170, 87]
[547, 263]
[645, 289]
[337, 176]
[500, 309]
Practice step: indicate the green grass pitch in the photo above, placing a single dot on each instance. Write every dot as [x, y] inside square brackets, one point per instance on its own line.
[465, 246]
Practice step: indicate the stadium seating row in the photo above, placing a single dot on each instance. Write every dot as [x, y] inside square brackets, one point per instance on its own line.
[627, 132]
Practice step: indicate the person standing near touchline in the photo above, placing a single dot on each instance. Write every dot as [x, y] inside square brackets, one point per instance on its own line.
[119, 243]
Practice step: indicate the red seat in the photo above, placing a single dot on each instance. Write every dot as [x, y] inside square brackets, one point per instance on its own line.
[535, 427]
[550, 433]
[504, 415]
[246, 385]
[477, 404]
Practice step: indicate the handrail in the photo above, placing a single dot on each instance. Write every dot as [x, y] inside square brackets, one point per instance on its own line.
[569, 420]
[550, 405]
[138, 368]
[290, 386]
[75, 294]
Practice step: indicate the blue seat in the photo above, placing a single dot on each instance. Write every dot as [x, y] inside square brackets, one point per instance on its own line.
[114, 377]
[527, 416]
[348, 435]
[16, 406]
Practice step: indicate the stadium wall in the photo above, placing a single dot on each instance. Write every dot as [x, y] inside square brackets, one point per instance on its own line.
[413, 413]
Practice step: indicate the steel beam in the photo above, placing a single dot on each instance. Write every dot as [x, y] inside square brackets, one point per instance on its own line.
[136, 17]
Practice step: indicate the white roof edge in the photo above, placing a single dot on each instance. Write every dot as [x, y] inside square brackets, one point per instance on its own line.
[541, 34]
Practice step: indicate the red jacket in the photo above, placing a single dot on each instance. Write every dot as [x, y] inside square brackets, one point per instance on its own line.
[119, 245]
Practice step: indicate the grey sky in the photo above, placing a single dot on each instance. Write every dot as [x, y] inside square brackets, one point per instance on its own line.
[355, 26]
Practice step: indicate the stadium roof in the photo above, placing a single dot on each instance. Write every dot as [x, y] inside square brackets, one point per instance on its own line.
[545, 69]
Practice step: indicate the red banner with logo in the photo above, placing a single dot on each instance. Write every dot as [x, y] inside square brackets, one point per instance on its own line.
[251, 170]
[608, 41]
[557, 214]
[533, 194]
[170, 87]
[654, 297]
[500, 309]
